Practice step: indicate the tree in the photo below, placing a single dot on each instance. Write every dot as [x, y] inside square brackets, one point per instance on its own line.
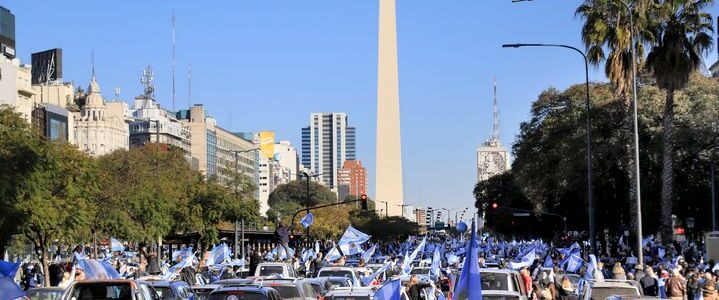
[607, 34]
[20, 156]
[683, 35]
[286, 199]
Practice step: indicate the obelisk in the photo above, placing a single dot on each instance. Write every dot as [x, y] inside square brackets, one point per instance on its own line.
[389, 145]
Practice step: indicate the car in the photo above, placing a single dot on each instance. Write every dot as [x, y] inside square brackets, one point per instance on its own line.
[45, 293]
[356, 293]
[104, 289]
[235, 282]
[173, 290]
[289, 288]
[341, 272]
[203, 291]
[500, 295]
[320, 285]
[249, 292]
[600, 290]
[148, 290]
[275, 268]
[502, 280]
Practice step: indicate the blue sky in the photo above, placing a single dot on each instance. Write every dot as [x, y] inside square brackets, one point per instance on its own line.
[267, 64]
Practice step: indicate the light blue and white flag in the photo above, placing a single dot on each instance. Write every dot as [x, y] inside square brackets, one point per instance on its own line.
[333, 255]
[307, 220]
[573, 263]
[172, 271]
[366, 280]
[407, 264]
[436, 263]
[548, 262]
[351, 241]
[95, 269]
[218, 255]
[116, 245]
[367, 255]
[181, 254]
[469, 285]
[391, 290]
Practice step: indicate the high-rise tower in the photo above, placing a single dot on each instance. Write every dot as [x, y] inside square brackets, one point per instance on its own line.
[388, 182]
[492, 157]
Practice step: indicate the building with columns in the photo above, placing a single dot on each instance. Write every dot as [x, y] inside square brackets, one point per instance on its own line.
[101, 127]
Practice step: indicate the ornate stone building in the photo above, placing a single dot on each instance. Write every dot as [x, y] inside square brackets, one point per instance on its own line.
[101, 126]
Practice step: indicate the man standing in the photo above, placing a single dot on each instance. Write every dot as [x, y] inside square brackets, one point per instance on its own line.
[649, 283]
[676, 286]
[282, 234]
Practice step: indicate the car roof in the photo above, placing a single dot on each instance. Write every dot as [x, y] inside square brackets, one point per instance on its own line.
[205, 287]
[500, 293]
[337, 268]
[613, 283]
[51, 289]
[355, 291]
[272, 264]
[499, 271]
[255, 288]
[234, 281]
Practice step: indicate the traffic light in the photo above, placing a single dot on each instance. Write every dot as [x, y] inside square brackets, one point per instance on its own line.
[364, 201]
[495, 205]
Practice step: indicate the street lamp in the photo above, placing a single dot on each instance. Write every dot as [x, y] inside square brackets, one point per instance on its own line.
[592, 238]
[386, 208]
[237, 225]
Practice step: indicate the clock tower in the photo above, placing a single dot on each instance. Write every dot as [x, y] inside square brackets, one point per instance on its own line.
[492, 157]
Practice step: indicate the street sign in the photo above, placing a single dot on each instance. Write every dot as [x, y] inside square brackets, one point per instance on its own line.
[438, 225]
[521, 214]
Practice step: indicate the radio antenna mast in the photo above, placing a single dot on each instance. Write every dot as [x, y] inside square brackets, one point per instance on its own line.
[173, 61]
[189, 85]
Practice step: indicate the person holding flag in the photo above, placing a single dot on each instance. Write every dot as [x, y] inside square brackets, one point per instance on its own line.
[469, 285]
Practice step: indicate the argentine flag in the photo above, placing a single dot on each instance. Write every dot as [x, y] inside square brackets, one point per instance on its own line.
[351, 241]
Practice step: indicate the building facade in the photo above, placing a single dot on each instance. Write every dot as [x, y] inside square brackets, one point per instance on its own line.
[326, 143]
[288, 160]
[7, 33]
[352, 179]
[492, 158]
[101, 127]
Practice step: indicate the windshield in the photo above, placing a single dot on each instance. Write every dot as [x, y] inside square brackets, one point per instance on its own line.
[601, 293]
[335, 284]
[269, 270]
[44, 295]
[494, 282]
[237, 295]
[317, 288]
[287, 291]
[416, 271]
[164, 292]
[120, 291]
[335, 273]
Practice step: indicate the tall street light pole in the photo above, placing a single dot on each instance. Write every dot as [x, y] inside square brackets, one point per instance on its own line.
[237, 225]
[592, 237]
[640, 254]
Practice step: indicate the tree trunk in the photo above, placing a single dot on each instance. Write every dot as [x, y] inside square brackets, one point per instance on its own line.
[668, 169]
[628, 141]
[44, 262]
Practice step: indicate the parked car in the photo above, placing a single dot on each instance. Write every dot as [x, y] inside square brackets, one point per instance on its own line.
[45, 293]
[289, 288]
[249, 292]
[235, 282]
[600, 290]
[275, 268]
[148, 290]
[502, 280]
[104, 289]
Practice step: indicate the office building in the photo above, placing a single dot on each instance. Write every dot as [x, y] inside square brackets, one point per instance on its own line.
[217, 151]
[420, 216]
[7, 33]
[101, 127]
[326, 143]
[352, 179]
[153, 124]
[286, 157]
[408, 213]
[15, 88]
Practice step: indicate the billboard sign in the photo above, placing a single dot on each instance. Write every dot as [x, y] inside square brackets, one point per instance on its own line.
[46, 66]
[267, 143]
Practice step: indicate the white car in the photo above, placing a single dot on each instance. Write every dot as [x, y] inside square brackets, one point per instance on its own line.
[347, 272]
[596, 290]
[275, 268]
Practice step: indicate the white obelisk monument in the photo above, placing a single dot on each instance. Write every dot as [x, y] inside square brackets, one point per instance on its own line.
[389, 145]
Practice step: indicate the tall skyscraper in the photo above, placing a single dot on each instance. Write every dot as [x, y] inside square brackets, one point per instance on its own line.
[388, 181]
[326, 144]
[492, 157]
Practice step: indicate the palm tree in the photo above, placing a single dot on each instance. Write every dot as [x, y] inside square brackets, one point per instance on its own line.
[684, 36]
[606, 34]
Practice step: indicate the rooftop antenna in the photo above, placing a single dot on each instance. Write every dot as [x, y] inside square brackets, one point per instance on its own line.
[92, 63]
[495, 124]
[117, 93]
[173, 60]
[147, 77]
